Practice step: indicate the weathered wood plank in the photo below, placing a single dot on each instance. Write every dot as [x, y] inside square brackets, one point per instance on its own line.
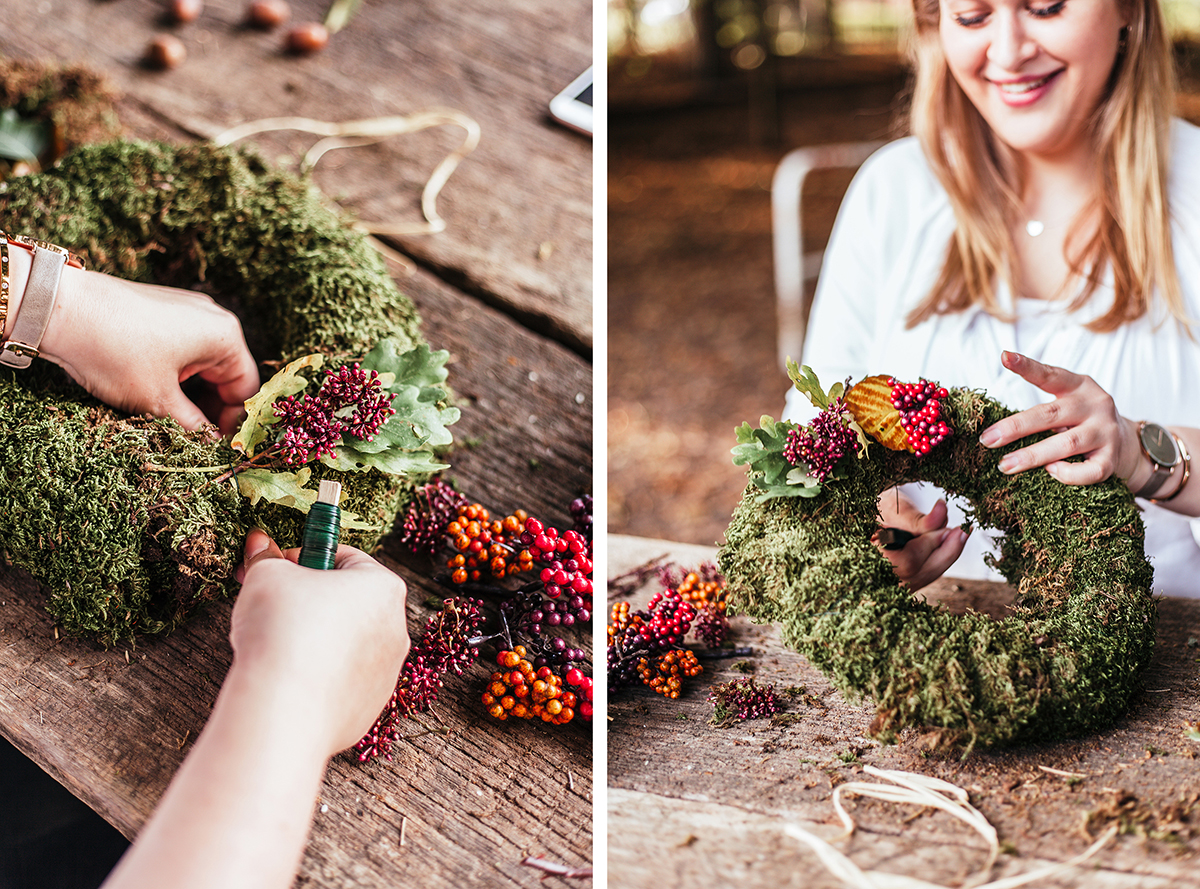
[518, 209]
[664, 757]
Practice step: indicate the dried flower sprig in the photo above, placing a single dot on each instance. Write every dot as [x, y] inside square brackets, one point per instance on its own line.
[433, 507]
[444, 647]
[349, 402]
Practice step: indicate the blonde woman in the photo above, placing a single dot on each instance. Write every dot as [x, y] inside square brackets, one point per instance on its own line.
[1038, 237]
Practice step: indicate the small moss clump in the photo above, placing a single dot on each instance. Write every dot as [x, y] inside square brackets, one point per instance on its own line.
[124, 547]
[1065, 662]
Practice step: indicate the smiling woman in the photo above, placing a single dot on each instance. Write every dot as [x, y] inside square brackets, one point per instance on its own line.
[1035, 240]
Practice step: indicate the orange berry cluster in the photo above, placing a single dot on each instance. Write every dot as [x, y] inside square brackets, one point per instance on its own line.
[487, 544]
[703, 592]
[518, 690]
[665, 673]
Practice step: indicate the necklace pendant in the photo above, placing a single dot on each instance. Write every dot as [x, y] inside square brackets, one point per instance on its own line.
[1034, 227]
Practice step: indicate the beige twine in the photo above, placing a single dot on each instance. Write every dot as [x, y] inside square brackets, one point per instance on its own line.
[921, 790]
[354, 133]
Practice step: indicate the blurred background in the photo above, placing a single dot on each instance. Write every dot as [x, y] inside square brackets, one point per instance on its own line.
[705, 99]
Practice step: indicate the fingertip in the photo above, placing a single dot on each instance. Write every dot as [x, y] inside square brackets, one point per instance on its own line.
[259, 546]
[256, 541]
[187, 414]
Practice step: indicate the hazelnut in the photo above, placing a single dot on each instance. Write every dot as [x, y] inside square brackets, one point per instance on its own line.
[165, 51]
[267, 14]
[184, 11]
[307, 38]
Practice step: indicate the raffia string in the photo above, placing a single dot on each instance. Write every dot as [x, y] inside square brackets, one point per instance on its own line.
[355, 133]
[922, 790]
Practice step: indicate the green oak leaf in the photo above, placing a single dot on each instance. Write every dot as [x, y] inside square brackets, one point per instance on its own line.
[420, 366]
[393, 462]
[259, 413]
[284, 488]
[806, 382]
[761, 451]
[287, 489]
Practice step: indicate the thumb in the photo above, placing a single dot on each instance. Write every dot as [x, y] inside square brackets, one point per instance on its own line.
[186, 414]
[259, 546]
[934, 519]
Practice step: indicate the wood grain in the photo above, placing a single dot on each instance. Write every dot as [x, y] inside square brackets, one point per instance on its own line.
[722, 795]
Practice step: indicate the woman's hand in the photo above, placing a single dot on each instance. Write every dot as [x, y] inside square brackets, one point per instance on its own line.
[132, 346]
[1086, 422]
[339, 637]
[932, 551]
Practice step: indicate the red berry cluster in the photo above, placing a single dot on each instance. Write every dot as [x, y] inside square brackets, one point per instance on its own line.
[665, 673]
[821, 445]
[349, 402]
[567, 557]
[443, 648]
[483, 542]
[635, 637]
[521, 691]
[920, 407]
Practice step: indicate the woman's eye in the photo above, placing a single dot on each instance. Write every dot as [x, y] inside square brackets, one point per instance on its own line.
[1045, 12]
[970, 21]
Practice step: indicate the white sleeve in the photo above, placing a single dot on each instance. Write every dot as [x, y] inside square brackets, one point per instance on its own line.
[841, 324]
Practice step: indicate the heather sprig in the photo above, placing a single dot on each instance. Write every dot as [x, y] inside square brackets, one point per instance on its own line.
[433, 507]
[443, 648]
[820, 446]
[742, 699]
[349, 402]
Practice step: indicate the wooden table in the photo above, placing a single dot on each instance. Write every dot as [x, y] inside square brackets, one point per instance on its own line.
[506, 288]
[693, 805]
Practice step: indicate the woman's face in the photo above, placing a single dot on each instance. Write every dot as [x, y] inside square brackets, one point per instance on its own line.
[1034, 69]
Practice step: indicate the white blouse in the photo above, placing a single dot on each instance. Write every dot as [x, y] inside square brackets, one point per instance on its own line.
[887, 248]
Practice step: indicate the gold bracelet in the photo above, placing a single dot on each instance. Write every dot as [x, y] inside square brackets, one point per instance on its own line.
[3, 282]
[1186, 460]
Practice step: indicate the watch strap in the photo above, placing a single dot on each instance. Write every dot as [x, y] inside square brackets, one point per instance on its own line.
[37, 303]
[1157, 479]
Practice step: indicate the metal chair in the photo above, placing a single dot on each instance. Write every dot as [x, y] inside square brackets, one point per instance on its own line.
[793, 267]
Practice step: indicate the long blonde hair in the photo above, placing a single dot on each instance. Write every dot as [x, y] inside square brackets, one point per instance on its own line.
[1131, 129]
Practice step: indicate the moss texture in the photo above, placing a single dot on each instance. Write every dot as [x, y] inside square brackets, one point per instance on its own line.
[1066, 661]
[125, 549]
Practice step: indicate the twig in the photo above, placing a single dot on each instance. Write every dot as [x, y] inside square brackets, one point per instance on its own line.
[624, 584]
[558, 870]
[1063, 774]
[717, 654]
[403, 825]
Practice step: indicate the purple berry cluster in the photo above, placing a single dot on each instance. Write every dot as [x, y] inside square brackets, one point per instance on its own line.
[442, 649]
[349, 402]
[711, 625]
[821, 445]
[920, 407]
[433, 507]
[743, 699]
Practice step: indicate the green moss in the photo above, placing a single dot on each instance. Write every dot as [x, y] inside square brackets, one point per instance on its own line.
[1064, 663]
[125, 549]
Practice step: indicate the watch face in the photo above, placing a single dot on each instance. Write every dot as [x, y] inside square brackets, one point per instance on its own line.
[1159, 445]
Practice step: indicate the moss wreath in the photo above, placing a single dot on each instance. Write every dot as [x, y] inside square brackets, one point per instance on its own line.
[123, 548]
[1064, 663]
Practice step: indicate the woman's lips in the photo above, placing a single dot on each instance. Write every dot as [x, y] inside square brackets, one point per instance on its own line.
[1025, 91]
